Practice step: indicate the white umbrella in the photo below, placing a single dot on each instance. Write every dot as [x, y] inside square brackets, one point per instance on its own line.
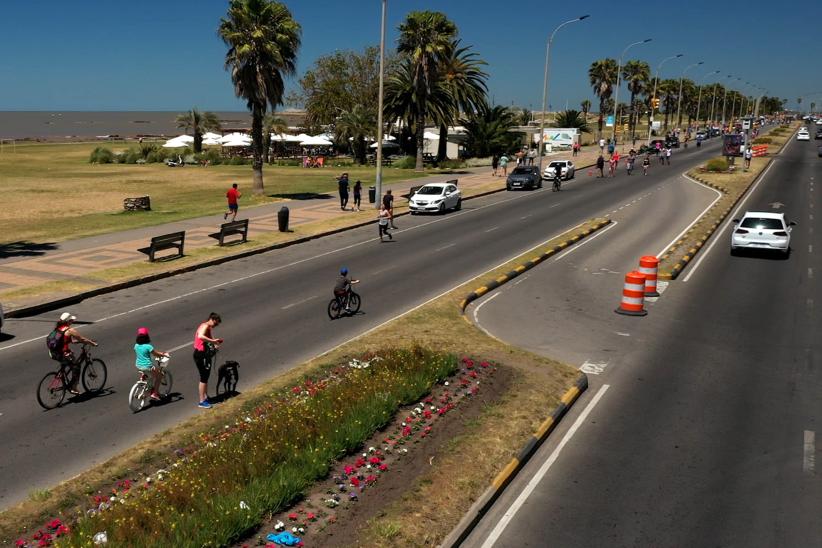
[235, 137]
[177, 143]
[315, 141]
[211, 136]
[386, 144]
[286, 138]
[237, 143]
[302, 137]
[211, 142]
[429, 135]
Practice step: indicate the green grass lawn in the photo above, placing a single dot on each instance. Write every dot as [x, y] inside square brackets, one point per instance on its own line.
[51, 192]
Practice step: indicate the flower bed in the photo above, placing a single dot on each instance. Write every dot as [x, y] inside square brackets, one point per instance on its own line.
[222, 490]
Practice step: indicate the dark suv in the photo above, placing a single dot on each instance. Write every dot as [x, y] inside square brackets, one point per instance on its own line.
[524, 177]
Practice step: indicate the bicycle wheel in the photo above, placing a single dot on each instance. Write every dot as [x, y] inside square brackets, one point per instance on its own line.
[333, 309]
[94, 375]
[165, 384]
[138, 396]
[51, 391]
[354, 302]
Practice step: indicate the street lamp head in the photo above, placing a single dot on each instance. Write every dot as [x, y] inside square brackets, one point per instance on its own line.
[583, 17]
[678, 55]
[701, 63]
[646, 40]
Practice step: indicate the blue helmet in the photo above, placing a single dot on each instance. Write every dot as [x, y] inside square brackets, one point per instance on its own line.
[343, 271]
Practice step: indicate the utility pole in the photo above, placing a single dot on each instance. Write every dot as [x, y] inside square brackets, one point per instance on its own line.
[653, 96]
[378, 184]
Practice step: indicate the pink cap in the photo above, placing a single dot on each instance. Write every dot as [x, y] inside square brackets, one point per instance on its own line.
[142, 330]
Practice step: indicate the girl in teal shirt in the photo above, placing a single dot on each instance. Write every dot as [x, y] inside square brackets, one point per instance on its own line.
[144, 351]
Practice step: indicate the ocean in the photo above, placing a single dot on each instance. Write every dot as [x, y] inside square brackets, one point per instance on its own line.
[75, 125]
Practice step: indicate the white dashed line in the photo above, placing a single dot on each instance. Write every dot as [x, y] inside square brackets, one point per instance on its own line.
[809, 452]
[810, 273]
[286, 307]
[445, 247]
[492, 228]
[524, 217]
[810, 248]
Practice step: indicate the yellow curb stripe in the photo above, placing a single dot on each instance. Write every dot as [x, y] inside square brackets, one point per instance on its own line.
[481, 291]
[502, 477]
[546, 425]
[520, 269]
[502, 279]
[570, 395]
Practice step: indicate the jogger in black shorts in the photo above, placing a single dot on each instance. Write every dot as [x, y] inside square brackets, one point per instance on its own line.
[204, 348]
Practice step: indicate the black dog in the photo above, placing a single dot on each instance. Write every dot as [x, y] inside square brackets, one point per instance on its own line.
[227, 376]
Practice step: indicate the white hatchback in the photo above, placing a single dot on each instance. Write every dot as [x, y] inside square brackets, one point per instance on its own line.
[762, 230]
[436, 198]
[803, 135]
[566, 166]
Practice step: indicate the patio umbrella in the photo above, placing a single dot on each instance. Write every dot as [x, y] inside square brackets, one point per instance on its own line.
[285, 138]
[316, 142]
[429, 135]
[177, 142]
[386, 144]
[211, 142]
[233, 137]
[211, 136]
[237, 143]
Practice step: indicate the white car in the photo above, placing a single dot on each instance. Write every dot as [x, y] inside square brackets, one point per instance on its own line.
[567, 166]
[436, 198]
[762, 230]
[803, 135]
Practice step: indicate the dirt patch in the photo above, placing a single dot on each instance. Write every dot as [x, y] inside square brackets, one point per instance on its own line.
[341, 525]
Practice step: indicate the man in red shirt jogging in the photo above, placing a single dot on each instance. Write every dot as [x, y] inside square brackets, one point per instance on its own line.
[232, 195]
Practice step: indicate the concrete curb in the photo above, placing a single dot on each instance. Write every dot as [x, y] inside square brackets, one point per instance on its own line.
[503, 479]
[74, 299]
[505, 278]
[683, 261]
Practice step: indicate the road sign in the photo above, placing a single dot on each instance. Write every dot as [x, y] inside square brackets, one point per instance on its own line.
[746, 124]
[609, 121]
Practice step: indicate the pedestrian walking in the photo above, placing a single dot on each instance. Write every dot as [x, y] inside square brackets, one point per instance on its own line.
[494, 164]
[233, 195]
[600, 166]
[503, 163]
[601, 145]
[532, 154]
[388, 204]
[575, 149]
[382, 223]
[342, 183]
[205, 347]
[748, 156]
[357, 194]
[629, 163]
[611, 147]
[646, 163]
[613, 161]
[668, 152]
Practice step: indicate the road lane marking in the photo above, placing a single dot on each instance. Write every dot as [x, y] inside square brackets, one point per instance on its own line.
[593, 368]
[476, 318]
[386, 269]
[492, 228]
[687, 228]
[810, 248]
[553, 206]
[517, 504]
[524, 217]
[809, 446]
[621, 334]
[445, 247]
[293, 263]
[810, 216]
[585, 241]
[809, 303]
[810, 273]
[728, 220]
[286, 307]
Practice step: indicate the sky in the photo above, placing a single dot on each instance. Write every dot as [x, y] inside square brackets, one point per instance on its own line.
[166, 55]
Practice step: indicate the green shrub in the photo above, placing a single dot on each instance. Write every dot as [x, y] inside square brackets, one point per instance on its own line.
[289, 162]
[717, 165]
[101, 155]
[451, 164]
[237, 161]
[131, 156]
[763, 141]
[406, 162]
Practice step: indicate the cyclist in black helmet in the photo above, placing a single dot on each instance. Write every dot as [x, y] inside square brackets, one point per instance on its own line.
[342, 287]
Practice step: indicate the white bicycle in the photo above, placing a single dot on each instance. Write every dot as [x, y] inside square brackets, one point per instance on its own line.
[140, 394]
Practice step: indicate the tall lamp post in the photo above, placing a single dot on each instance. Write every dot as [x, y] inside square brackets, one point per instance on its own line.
[679, 100]
[619, 75]
[545, 84]
[653, 96]
[733, 104]
[378, 184]
[699, 100]
[724, 99]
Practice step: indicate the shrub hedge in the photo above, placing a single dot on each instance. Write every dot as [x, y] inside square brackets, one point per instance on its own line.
[717, 165]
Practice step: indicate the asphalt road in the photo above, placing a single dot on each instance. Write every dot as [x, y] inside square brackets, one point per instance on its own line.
[700, 425]
[274, 315]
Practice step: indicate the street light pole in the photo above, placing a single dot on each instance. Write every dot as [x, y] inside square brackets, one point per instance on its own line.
[378, 184]
[733, 105]
[679, 100]
[653, 96]
[619, 75]
[699, 100]
[540, 146]
[724, 99]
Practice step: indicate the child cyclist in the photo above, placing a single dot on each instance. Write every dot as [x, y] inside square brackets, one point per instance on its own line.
[342, 286]
[144, 351]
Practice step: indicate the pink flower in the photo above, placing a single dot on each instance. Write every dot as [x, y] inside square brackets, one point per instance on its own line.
[383, 467]
[374, 460]
[406, 431]
[20, 542]
[348, 470]
[311, 516]
[371, 479]
[293, 516]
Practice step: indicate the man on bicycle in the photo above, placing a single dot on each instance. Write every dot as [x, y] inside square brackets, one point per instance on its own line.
[557, 176]
[342, 287]
[71, 335]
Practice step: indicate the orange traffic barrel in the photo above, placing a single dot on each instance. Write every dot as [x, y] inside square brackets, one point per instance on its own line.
[649, 265]
[633, 295]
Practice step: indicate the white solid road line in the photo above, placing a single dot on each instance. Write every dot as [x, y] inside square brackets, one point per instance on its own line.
[687, 228]
[716, 235]
[445, 247]
[809, 452]
[574, 248]
[517, 504]
[476, 318]
[280, 267]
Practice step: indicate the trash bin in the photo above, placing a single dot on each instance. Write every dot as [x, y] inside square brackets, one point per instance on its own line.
[372, 194]
[282, 219]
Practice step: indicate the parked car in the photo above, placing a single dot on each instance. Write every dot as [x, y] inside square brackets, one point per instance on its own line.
[672, 141]
[524, 177]
[702, 135]
[762, 230]
[436, 198]
[567, 170]
[803, 135]
[652, 147]
[818, 134]
[715, 132]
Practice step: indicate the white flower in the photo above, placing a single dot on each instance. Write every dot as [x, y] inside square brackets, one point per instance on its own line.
[279, 526]
[243, 505]
[293, 529]
[301, 530]
[100, 538]
[404, 450]
[113, 499]
[365, 454]
[148, 479]
[433, 408]
[368, 466]
[446, 383]
[417, 410]
[371, 449]
[403, 424]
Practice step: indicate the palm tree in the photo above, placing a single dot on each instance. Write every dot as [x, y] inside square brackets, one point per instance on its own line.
[426, 37]
[198, 122]
[586, 108]
[603, 75]
[464, 79]
[669, 91]
[487, 132]
[637, 75]
[572, 119]
[271, 124]
[263, 39]
[357, 124]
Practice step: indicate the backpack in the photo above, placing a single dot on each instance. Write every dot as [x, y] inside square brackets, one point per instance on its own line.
[54, 343]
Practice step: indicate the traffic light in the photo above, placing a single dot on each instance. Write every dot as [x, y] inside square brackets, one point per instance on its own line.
[655, 102]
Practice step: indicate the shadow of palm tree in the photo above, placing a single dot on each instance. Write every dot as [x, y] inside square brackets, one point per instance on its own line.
[301, 196]
[25, 249]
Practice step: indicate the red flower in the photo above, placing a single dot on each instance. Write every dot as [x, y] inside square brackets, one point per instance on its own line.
[348, 470]
[62, 530]
[383, 467]
[296, 390]
[442, 410]
[468, 363]
[20, 542]
[374, 460]
[472, 374]
[355, 482]
[426, 414]
[311, 516]
[429, 399]
[371, 479]
[360, 463]
[406, 431]
[55, 523]
[293, 516]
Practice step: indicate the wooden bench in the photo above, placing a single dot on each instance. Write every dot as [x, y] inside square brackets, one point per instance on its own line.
[175, 240]
[230, 229]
